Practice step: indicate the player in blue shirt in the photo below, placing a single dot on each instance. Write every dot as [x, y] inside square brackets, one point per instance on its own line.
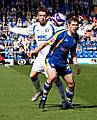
[65, 42]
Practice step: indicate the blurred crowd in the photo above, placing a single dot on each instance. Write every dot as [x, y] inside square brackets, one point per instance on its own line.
[22, 13]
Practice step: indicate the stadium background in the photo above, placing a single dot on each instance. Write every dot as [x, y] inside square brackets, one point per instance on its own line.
[16, 89]
[22, 13]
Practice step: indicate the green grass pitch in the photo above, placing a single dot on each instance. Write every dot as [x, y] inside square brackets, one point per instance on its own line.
[16, 91]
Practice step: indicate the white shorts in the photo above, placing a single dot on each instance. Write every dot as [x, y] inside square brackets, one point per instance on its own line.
[39, 64]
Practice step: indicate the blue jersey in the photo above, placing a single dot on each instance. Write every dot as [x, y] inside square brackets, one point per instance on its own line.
[60, 49]
[41, 33]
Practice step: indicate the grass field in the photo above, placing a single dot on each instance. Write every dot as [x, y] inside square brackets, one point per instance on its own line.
[16, 91]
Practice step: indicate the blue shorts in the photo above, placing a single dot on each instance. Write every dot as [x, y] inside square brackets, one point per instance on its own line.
[62, 70]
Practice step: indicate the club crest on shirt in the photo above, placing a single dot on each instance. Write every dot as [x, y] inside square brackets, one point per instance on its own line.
[74, 41]
[46, 30]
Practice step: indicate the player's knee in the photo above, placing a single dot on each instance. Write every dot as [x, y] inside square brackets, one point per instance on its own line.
[52, 75]
[33, 74]
[71, 85]
[33, 77]
[51, 78]
[57, 81]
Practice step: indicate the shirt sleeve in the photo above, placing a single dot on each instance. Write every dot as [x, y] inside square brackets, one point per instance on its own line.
[52, 40]
[23, 31]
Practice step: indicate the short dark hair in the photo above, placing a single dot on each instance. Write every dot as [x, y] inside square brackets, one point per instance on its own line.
[73, 18]
[41, 8]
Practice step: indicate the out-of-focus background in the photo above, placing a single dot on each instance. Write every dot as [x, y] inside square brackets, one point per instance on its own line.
[22, 13]
[16, 89]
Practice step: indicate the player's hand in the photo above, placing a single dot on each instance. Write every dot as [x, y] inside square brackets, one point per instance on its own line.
[30, 53]
[78, 69]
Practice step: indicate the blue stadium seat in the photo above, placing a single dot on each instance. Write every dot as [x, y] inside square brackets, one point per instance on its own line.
[79, 55]
[94, 54]
[89, 55]
[84, 55]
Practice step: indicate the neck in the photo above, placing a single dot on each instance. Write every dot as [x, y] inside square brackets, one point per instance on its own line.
[70, 33]
[43, 24]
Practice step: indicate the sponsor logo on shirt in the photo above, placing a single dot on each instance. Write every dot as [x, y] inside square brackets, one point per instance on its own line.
[42, 37]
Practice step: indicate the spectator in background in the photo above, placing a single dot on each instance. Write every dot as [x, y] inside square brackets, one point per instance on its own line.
[2, 59]
[19, 22]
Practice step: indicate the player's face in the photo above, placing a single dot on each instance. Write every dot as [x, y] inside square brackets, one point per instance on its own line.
[73, 26]
[42, 18]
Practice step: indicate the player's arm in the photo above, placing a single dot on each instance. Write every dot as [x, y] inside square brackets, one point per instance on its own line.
[20, 30]
[48, 42]
[75, 63]
[41, 46]
[74, 59]
[37, 49]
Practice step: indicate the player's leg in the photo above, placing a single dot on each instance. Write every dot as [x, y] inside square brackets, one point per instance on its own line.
[60, 87]
[47, 86]
[36, 69]
[67, 75]
[69, 90]
[36, 84]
